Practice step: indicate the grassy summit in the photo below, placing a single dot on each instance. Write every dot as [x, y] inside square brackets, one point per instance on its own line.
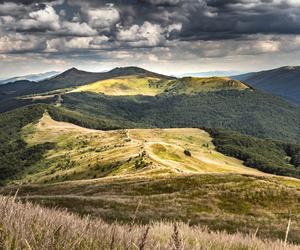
[129, 85]
[190, 85]
[139, 85]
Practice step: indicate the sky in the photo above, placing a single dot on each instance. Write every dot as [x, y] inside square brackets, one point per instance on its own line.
[166, 36]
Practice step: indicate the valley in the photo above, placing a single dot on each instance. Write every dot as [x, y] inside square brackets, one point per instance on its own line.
[155, 174]
[134, 146]
[149, 125]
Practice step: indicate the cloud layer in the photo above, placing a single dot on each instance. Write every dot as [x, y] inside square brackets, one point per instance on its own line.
[169, 32]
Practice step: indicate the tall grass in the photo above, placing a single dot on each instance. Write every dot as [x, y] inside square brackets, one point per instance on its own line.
[29, 226]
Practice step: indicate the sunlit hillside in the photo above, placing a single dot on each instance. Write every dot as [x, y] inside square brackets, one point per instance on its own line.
[153, 174]
[137, 85]
[129, 85]
[82, 153]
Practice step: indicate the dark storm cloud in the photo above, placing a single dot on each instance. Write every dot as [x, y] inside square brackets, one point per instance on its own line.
[58, 26]
[201, 19]
[25, 2]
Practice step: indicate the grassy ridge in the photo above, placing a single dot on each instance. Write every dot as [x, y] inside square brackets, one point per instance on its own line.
[82, 153]
[149, 86]
[193, 85]
[129, 85]
[16, 156]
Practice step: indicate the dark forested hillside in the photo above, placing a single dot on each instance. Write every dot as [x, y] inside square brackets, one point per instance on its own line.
[284, 81]
[269, 156]
[247, 112]
[15, 155]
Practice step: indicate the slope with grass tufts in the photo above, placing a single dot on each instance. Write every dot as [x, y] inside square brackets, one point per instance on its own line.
[41, 228]
[82, 153]
[139, 85]
[129, 85]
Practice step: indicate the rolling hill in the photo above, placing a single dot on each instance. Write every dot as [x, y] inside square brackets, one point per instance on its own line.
[70, 79]
[146, 100]
[82, 153]
[284, 82]
[175, 173]
[137, 85]
[40, 149]
[248, 112]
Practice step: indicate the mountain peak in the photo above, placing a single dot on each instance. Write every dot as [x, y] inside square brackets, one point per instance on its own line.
[73, 69]
[70, 73]
[131, 69]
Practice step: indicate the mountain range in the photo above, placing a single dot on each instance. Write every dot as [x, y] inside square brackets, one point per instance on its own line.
[32, 77]
[101, 143]
[211, 74]
[284, 82]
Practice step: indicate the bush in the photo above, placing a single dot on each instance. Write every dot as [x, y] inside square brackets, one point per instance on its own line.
[187, 152]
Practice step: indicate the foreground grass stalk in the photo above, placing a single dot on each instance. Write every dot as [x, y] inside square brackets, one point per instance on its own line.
[287, 233]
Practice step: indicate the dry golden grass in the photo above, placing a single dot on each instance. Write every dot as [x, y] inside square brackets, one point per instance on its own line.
[129, 85]
[28, 226]
[155, 150]
[192, 85]
[137, 85]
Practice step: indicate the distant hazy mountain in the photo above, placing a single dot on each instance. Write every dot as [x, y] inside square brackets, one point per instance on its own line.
[284, 81]
[211, 73]
[32, 77]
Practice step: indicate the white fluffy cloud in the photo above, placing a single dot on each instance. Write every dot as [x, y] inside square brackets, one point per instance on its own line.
[102, 18]
[77, 29]
[18, 42]
[46, 18]
[147, 34]
[76, 43]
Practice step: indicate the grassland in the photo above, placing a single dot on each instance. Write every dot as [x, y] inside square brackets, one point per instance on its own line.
[146, 174]
[231, 202]
[193, 85]
[28, 226]
[82, 153]
[129, 85]
[137, 85]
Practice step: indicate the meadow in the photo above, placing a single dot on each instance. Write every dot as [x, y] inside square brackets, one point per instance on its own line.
[28, 226]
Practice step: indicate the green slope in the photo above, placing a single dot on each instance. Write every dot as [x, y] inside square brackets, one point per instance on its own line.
[266, 155]
[81, 153]
[232, 202]
[139, 85]
[111, 173]
[16, 156]
[248, 112]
